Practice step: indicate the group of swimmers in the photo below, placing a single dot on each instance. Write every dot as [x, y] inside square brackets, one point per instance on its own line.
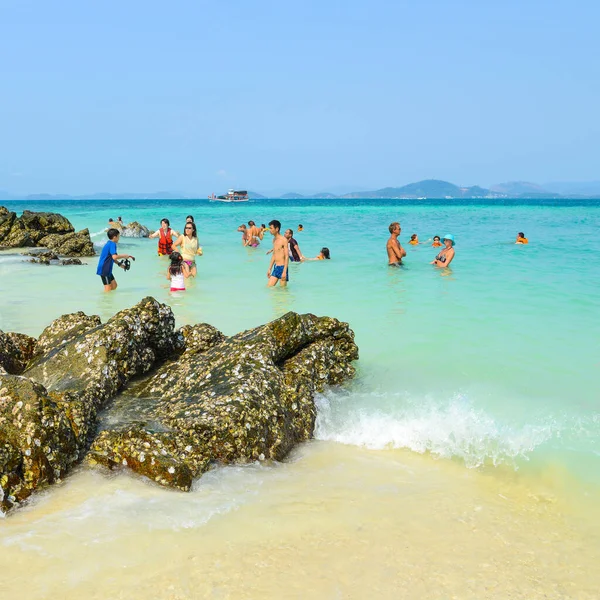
[182, 249]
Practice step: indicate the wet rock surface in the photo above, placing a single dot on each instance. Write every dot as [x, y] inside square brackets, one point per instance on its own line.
[135, 230]
[43, 229]
[47, 257]
[248, 397]
[135, 393]
[16, 350]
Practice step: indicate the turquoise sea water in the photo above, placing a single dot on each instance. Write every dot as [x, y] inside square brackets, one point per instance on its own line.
[494, 362]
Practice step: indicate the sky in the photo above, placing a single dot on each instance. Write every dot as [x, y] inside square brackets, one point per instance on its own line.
[287, 95]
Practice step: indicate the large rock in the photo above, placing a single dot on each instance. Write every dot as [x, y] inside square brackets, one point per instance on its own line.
[71, 244]
[248, 397]
[50, 230]
[135, 230]
[7, 219]
[37, 442]
[81, 366]
[16, 350]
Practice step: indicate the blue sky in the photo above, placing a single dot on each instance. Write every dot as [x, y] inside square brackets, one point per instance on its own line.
[295, 95]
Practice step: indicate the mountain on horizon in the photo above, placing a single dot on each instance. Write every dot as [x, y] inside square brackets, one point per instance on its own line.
[518, 188]
[428, 188]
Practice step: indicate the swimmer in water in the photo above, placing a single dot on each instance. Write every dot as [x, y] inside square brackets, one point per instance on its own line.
[300, 228]
[323, 255]
[244, 231]
[521, 239]
[395, 251]
[414, 239]
[253, 235]
[436, 242]
[446, 255]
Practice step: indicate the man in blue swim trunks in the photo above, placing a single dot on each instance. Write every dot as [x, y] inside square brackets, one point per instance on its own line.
[278, 267]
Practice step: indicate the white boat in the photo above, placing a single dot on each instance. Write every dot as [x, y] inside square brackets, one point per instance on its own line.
[232, 196]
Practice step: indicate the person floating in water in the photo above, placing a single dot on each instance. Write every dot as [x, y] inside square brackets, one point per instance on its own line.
[293, 247]
[446, 255]
[165, 238]
[436, 242]
[414, 239]
[177, 272]
[521, 239]
[189, 246]
[394, 249]
[261, 233]
[252, 235]
[108, 258]
[278, 267]
[323, 255]
[300, 227]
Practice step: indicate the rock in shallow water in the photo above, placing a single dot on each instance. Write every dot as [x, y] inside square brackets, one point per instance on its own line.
[212, 398]
[248, 397]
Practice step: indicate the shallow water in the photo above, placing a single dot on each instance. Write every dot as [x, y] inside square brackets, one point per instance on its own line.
[473, 383]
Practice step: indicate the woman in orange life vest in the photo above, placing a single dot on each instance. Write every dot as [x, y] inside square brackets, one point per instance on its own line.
[521, 239]
[414, 239]
[165, 238]
[436, 242]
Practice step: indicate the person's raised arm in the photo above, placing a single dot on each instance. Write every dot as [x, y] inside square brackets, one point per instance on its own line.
[155, 234]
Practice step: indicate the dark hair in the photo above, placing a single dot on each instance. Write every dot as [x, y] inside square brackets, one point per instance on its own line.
[118, 218]
[166, 221]
[393, 226]
[194, 230]
[436, 237]
[413, 236]
[189, 218]
[289, 231]
[275, 224]
[176, 262]
[263, 226]
[251, 223]
[521, 234]
[300, 225]
[325, 253]
[112, 233]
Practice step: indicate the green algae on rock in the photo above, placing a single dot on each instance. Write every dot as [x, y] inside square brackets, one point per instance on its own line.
[248, 397]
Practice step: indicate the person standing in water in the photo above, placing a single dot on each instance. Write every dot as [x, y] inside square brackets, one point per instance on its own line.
[189, 247]
[278, 267]
[394, 249]
[108, 258]
[446, 255]
[294, 249]
[165, 238]
[253, 235]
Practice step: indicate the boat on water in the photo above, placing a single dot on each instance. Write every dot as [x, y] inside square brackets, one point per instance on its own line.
[231, 196]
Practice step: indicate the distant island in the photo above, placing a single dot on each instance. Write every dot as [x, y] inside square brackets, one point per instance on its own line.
[420, 190]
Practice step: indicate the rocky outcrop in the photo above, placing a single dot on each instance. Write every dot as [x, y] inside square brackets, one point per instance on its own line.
[135, 230]
[205, 398]
[43, 229]
[78, 367]
[16, 350]
[50, 258]
[72, 244]
[248, 397]
[38, 445]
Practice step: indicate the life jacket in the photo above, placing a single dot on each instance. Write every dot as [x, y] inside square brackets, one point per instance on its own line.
[165, 242]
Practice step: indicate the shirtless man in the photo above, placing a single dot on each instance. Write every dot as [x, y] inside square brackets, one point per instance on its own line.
[278, 267]
[394, 250]
[253, 235]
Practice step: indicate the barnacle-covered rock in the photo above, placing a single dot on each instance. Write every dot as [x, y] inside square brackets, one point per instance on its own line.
[81, 366]
[65, 329]
[135, 230]
[29, 229]
[200, 337]
[37, 441]
[247, 397]
[16, 350]
[71, 244]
